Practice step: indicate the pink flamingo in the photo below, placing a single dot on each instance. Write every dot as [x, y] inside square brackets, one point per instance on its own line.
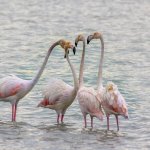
[111, 99]
[13, 88]
[113, 103]
[88, 100]
[59, 95]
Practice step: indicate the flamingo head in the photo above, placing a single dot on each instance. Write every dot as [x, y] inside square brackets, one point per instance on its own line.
[66, 45]
[62, 43]
[110, 93]
[80, 37]
[111, 87]
[96, 35]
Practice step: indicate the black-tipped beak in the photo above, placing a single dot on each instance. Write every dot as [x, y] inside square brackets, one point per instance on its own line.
[74, 50]
[126, 117]
[89, 38]
[76, 44]
[66, 53]
[88, 41]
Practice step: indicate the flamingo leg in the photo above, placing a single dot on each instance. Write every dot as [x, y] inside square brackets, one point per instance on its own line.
[117, 122]
[58, 118]
[91, 121]
[85, 124]
[12, 118]
[107, 122]
[15, 110]
[62, 118]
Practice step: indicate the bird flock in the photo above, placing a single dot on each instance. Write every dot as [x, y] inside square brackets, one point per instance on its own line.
[58, 95]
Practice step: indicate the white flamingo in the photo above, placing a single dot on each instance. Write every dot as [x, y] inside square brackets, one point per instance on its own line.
[111, 99]
[59, 95]
[13, 88]
[87, 96]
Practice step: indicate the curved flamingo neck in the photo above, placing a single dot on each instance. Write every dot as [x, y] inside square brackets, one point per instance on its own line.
[82, 66]
[100, 85]
[76, 84]
[39, 73]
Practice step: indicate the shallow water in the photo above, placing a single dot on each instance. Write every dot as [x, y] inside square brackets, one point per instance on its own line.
[27, 28]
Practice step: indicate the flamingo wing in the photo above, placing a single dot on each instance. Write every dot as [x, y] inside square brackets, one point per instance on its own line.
[88, 101]
[115, 102]
[10, 86]
[121, 104]
[56, 91]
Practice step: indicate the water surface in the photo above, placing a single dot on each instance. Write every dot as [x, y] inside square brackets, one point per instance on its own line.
[28, 28]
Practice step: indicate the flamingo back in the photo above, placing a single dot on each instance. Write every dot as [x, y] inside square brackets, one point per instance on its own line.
[55, 88]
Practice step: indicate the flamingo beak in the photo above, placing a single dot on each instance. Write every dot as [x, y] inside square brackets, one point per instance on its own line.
[67, 52]
[74, 50]
[76, 44]
[89, 38]
[126, 117]
[88, 41]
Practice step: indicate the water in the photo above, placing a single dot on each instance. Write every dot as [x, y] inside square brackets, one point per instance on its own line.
[28, 28]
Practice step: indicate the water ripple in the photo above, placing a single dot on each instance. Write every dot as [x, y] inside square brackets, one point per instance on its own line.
[27, 30]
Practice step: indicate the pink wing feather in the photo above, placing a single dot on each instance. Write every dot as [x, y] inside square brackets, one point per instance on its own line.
[89, 102]
[113, 101]
[10, 86]
[56, 92]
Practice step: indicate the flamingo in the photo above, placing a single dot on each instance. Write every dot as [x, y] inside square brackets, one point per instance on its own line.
[59, 95]
[111, 99]
[87, 96]
[13, 88]
[114, 103]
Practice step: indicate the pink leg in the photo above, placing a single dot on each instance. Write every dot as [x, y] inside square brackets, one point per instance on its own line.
[62, 118]
[15, 110]
[58, 118]
[117, 122]
[91, 121]
[12, 117]
[107, 122]
[85, 124]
